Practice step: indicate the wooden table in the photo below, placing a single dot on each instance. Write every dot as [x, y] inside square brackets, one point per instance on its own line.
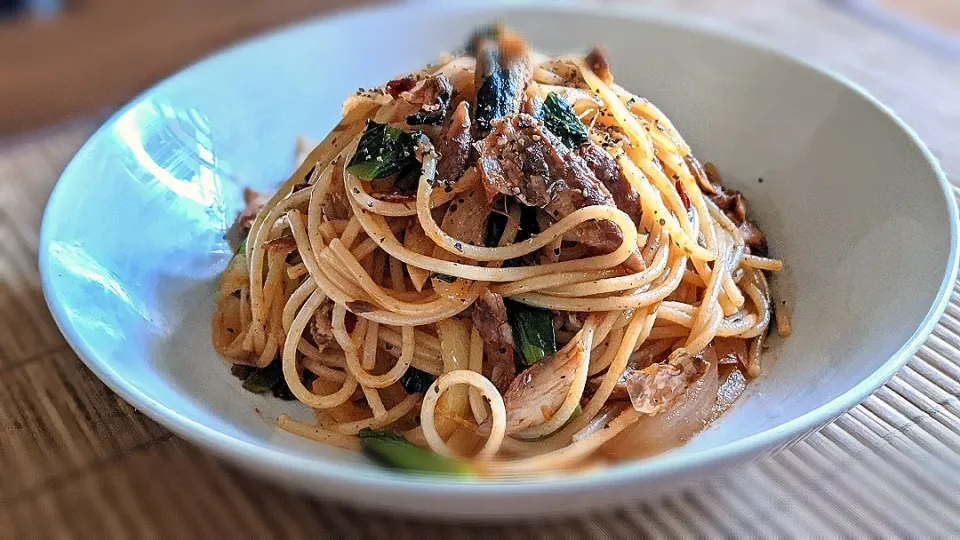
[76, 461]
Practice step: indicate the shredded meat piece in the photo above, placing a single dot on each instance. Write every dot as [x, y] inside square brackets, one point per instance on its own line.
[732, 202]
[254, 201]
[754, 238]
[734, 205]
[597, 61]
[521, 158]
[455, 145]
[730, 350]
[656, 388]
[605, 167]
[646, 356]
[433, 96]
[284, 244]
[490, 320]
[536, 394]
[699, 174]
[336, 205]
[320, 329]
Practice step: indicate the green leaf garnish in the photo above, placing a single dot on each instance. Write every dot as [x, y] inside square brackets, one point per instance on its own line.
[533, 332]
[383, 151]
[415, 381]
[391, 450]
[262, 380]
[446, 278]
[563, 122]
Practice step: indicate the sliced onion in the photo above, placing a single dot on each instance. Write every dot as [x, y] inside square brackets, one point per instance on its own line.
[454, 349]
[606, 414]
[732, 385]
[691, 413]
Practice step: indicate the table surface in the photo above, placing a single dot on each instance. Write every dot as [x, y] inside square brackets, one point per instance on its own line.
[76, 461]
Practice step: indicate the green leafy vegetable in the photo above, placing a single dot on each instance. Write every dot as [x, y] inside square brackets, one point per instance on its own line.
[504, 81]
[560, 119]
[262, 380]
[446, 278]
[415, 381]
[392, 450]
[532, 332]
[383, 151]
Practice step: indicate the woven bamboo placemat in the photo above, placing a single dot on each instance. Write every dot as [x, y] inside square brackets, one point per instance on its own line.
[76, 461]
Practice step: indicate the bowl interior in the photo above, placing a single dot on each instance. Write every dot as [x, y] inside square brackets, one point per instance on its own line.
[133, 238]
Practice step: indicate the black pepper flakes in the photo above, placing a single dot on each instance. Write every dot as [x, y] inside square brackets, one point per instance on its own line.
[663, 222]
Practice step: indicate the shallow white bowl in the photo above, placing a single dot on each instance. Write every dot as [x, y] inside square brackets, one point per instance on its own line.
[132, 239]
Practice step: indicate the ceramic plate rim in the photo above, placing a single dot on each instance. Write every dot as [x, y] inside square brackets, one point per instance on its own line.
[250, 453]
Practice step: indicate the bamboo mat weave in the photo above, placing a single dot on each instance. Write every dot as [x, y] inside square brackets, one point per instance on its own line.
[76, 461]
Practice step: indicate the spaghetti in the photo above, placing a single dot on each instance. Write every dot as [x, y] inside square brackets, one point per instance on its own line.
[504, 259]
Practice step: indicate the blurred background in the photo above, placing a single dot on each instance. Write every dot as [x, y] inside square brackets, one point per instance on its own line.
[63, 58]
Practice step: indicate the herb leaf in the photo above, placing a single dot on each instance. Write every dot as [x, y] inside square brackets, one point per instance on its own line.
[533, 332]
[391, 450]
[262, 380]
[415, 381]
[560, 119]
[446, 278]
[383, 150]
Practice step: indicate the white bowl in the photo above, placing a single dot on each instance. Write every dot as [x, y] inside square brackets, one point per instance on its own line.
[133, 236]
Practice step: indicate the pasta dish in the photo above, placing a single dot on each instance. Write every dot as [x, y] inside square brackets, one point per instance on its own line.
[502, 264]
